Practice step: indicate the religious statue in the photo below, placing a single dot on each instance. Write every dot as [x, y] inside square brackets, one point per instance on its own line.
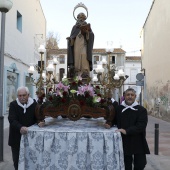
[80, 46]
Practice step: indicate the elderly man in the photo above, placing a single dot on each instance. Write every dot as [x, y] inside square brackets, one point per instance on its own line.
[131, 122]
[21, 116]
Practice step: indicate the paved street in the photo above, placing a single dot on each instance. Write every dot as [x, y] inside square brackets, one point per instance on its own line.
[161, 161]
[155, 162]
[7, 164]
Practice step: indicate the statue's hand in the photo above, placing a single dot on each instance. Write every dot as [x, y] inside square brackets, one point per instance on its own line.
[68, 38]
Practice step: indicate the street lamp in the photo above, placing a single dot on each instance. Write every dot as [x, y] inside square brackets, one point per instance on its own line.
[5, 6]
[108, 75]
[47, 77]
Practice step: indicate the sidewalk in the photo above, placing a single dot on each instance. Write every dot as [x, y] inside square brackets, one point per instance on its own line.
[161, 161]
[7, 164]
[6, 123]
[155, 162]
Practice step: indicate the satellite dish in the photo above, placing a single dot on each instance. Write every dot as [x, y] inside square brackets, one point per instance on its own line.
[139, 76]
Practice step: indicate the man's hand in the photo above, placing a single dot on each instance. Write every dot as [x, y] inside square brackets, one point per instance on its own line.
[23, 130]
[122, 131]
[41, 124]
[107, 126]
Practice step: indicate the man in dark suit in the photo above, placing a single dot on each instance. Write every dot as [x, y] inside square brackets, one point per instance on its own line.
[21, 116]
[131, 121]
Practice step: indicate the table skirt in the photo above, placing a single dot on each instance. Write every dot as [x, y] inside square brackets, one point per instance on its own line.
[67, 145]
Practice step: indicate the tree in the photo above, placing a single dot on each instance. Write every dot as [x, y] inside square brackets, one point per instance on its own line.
[52, 41]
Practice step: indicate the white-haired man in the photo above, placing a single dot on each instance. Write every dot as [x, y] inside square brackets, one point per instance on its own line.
[21, 116]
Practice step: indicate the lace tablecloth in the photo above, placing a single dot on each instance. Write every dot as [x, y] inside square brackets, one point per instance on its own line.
[67, 145]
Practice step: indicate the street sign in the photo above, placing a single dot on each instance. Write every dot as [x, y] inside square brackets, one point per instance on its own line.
[139, 83]
[139, 76]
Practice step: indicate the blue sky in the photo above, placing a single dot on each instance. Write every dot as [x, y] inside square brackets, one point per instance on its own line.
[120, 21]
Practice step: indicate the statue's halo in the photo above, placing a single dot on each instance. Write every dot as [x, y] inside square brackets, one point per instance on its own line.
[78, 6]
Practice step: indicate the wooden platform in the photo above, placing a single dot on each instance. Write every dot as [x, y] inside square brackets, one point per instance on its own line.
[74, 111]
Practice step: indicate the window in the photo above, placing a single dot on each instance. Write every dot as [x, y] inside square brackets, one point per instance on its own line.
[133, 73]
[96, 58]
[62, 71]
[29, 85]
[40, 65]
[19, 21]
[62, 59]
[112, 59]
[11, 85]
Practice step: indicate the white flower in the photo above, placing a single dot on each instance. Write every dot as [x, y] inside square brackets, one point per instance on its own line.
[96, 99]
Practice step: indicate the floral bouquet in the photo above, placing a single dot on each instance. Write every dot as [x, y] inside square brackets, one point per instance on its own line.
[74, 99]
[66, 91]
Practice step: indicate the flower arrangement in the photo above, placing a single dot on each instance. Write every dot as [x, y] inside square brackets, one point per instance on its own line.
[73, 99]
[66, 91]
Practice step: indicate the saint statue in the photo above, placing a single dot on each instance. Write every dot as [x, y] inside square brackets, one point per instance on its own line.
[80, 46]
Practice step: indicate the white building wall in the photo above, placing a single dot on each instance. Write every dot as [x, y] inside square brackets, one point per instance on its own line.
[21, 47]
[156, 60]
[132, 69]
[23, 44]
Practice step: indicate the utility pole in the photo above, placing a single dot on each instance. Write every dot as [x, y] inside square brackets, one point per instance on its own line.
[5, 6]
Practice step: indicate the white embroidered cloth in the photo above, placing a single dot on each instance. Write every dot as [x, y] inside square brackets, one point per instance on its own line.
[112, 99]
[71, 145]
[129, 107]
[25, 106]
